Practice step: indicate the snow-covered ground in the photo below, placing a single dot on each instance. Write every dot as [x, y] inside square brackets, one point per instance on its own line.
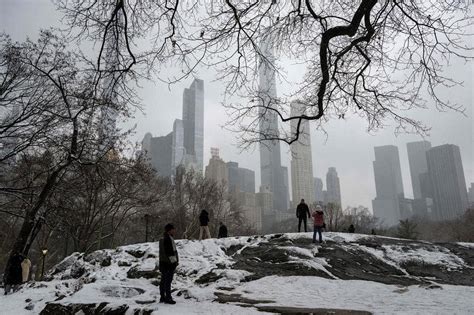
[208, 269]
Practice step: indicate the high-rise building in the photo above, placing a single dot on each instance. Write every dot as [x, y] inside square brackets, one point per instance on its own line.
[217, 168]
[418, 169]
[109, 113]
[333, 187]
[193, 123]
[471, 196]
[240, 179]
[448, 183]
[161, 154]
[388, 185]
[264, 200]
[270, 156]
[251, 211]
[184, 145]
[158, 150]
[178, 151]
[318, 190]
[301, 159]
[418, 165]
[285, 188]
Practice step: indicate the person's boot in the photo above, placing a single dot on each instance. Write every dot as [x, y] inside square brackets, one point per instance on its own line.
[162, 300]
[170, 301]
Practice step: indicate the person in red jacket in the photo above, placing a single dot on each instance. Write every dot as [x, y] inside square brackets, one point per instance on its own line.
[318, 218]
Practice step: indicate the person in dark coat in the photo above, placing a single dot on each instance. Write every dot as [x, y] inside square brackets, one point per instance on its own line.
[204, 228]
[351, 228]
[222, 230]
[14, 277]
[302, 213]
[168, 262]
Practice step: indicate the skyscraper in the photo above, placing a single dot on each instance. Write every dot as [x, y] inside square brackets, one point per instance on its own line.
[158, 151]
[448, 183]
[388, 184]
[109, 113]
[217, 168]
[240, 179]
[418, 170]
[301, 159]
[178, 151]
[271, 170]
[470, 196]
[193, 123]
[333, 187]
[418, 165]
[318, 190]
[184, 145]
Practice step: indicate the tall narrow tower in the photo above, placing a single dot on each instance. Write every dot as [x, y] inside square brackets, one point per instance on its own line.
[301, 159]
[109, 112]
[333, 187]
[271, 170]
[193, 123]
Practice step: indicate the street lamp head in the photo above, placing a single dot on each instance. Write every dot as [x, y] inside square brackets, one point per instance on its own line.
[44, 251]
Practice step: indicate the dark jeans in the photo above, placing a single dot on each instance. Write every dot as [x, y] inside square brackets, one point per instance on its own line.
[318, 229]
[305, 219]
[165, 283]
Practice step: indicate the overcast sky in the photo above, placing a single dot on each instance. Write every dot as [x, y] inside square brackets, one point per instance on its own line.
[347, 146]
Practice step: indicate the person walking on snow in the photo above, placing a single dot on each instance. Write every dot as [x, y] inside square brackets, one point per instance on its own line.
[222, 231]
[168, 262]
[302, 210]
[318, 218]
[204, 228]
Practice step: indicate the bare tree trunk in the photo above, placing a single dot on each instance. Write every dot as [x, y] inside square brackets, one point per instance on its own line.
[26, 236]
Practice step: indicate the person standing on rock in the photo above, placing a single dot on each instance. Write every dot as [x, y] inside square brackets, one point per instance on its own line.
[13, 279]
[168, 262]
[222, 230]
[351, 228]
[302, 210]
[318, 218]
[204, 228]
[25, 269]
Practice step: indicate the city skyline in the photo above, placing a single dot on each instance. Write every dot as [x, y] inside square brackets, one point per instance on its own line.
[344, 143]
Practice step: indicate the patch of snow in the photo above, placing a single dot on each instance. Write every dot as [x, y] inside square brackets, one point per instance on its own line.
[316, 292]
[470, 245]
[439, 256]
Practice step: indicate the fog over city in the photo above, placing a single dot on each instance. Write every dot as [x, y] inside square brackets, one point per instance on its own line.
[155, 157]
[345, 144]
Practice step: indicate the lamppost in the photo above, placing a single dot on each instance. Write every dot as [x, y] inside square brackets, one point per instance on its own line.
[44, 251]
[147, 218]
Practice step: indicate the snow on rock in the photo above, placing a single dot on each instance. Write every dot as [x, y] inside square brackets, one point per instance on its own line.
[310, 292]
[254, 274]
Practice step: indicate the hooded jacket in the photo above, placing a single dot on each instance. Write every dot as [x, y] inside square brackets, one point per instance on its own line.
[318, 218]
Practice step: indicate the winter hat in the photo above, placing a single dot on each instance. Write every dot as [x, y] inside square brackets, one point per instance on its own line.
[318, 207]
[169, 227]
